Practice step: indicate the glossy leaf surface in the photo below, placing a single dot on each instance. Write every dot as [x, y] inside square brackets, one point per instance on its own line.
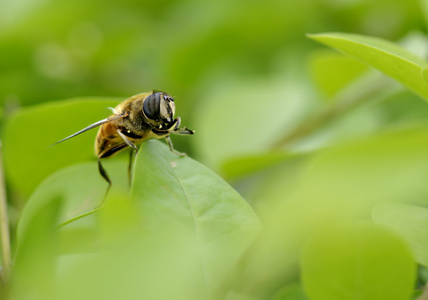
[387, 57]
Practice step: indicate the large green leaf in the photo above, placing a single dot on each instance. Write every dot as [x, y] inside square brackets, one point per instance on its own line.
[81, 189]
[182, 194]
[181, 215]
[358, 261]
[383, 55]
[29, 133]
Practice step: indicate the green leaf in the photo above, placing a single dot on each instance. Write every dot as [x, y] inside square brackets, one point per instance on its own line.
[290, 292]
[81, 189]
[388, 166]
[37, 250]
[410, 222]
[246, 165]
[181, 215]
[357, 261]
[29, 133]
[332, 71]
[383, 55]
[336, 183]
[185, 196]
[246, 118]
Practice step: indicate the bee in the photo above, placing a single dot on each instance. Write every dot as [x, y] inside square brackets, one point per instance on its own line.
[139, 118]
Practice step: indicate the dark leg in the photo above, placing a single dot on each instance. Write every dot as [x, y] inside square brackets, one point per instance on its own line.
[101, 169]
[105, 176]
[131, 156]
[183, 131]
[127, 141]
[171, 147]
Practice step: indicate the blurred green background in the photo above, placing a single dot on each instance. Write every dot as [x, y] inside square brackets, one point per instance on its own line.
[304, 133]
[59, 49]
[242, 72]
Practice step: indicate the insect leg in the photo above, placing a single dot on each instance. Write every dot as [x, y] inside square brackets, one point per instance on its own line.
[101, 169]
[171, 147]
[131, 156]
[105, 176]
[183, 131]
[127, 141]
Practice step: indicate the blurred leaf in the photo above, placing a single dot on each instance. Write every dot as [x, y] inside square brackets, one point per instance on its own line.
[290, 292]
[246, 118]
[81, 189]
[410, 221]
[340, 182]
[29, 133]
[37, 250]
[233, 41]
[388, 166]
[134, 263]
[122, 262]
[403, 108]
[357, 262]
[236, 296]
[385, 56]
[245, 165]
[185, 227]
[183, 195]
[424, 8]
[332, 71]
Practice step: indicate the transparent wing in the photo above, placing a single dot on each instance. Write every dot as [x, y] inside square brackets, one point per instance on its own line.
[96, 124]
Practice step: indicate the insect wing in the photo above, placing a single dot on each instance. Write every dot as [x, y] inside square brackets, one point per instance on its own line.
[96, 124]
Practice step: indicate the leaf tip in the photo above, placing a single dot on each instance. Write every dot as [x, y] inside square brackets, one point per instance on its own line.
[311, 35]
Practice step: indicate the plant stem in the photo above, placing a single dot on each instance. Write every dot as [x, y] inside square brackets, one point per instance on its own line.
[4, 225]
[359, 93]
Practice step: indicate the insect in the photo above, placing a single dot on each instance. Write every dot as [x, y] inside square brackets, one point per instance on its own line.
[139, 118]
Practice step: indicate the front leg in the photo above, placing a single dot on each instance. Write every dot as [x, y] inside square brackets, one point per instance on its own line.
[131, 156]
[183, 131]
[171, 147]
[127, 141]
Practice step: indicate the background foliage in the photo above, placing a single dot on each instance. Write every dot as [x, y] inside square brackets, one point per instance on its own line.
[322, 140]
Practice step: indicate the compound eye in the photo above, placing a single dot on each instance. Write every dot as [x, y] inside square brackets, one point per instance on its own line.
[167, 109]
[151, 106]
